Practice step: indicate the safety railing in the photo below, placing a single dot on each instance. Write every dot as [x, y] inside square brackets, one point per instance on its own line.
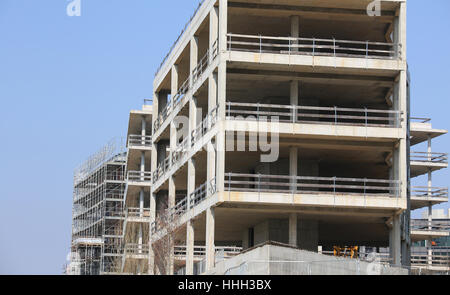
[115, 176]
[138, 213]
[424, 192]
[202, 192]
[139, 176]
[162, 168]
[316, 115]
[137, 249]
[200, 251]
[438, 158]
[139, 141]
[313, 46]
[207, 123]
[204, 62]
[424, 259]
[197, 72]
[310, 185]
[433, 225]
[179, 153]
[170, 215]
[420, 120]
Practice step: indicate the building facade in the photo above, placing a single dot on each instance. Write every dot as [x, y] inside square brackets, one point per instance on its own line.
[302, 75]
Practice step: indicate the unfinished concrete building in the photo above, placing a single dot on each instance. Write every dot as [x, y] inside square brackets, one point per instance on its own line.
[276, 131]
[335, 79]
[137, 192]
[97, 216]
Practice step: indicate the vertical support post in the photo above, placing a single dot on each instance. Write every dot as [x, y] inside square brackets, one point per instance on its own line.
[142, 166]
[190, 247]
[210, 232]
[143, 130]
[293, 229]
[193, 61]
[295, 32]
[213, 28]
[293, 167]
[174, 82]
[294, 98]
[395, 241]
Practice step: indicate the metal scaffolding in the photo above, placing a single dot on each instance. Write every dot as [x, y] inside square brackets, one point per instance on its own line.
[97, 215]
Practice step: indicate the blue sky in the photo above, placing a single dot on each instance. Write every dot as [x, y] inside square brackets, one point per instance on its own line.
[68, 83]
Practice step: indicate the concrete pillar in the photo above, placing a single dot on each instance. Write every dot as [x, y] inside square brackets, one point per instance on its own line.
[293, 229]
[190, 247]
[193, 61]
[220, 137]
[400, 29]
[143, 129]
[174, 81]
[151, 258]
[173, 146]
[293, 167]
[141, 202]
[161, 152]
[162, 100]
[223, 25]
[213, 26]
[211, 152]
[395, 241]
[245, 239]
[210, 232]
[429, 244]
[191, 161]
[294, 93]
[295, 30]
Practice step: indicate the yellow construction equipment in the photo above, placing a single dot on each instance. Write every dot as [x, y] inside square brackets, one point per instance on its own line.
[351, 252]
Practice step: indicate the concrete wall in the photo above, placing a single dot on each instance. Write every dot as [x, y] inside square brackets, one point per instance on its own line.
[279, 260]
[277, 230]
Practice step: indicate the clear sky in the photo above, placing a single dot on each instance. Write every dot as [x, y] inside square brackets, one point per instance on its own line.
[68, 83]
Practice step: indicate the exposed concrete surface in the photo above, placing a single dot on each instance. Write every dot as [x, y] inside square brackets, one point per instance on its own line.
[273, 259]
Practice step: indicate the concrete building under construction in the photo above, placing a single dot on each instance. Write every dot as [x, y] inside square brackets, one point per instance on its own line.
[279, 135]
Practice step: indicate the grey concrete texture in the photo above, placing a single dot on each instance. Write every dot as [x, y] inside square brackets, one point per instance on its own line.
[277, 259]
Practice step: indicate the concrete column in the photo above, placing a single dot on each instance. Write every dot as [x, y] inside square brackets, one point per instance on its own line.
[174, 81]
[162, 100]
[213, 25]
[295, 30]
[223, 25]
[293, 167]
[395, 241]
[191, 161]
[210, 232]
[220, 137]
[400, 29]
[143, 129]
[173, 146]
[142, 167]
[190, 247]
[294, 93]
[428, 242]
[141, 202]
[151, 258]
[161, 152]
[293, 229]
[193, 61]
